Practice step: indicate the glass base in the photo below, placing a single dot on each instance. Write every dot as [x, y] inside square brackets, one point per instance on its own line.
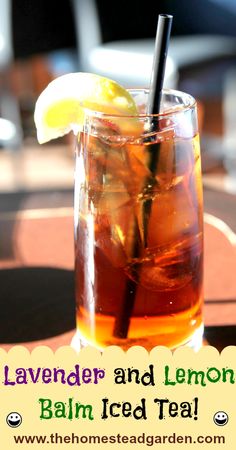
[195, 342]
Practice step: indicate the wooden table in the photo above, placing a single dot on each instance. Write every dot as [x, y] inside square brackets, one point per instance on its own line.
[37, 281]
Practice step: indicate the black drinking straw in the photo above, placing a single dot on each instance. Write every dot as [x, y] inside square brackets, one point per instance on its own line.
[122, 321]
[159, 63]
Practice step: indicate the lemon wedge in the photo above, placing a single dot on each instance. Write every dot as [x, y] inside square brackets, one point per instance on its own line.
[60, 107]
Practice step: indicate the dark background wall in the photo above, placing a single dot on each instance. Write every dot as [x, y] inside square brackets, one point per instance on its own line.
[42, 25]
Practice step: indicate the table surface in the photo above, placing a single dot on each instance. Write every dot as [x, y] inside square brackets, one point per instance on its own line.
[37, 280]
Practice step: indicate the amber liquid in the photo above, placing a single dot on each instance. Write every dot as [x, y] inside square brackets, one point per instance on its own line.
[122, 250]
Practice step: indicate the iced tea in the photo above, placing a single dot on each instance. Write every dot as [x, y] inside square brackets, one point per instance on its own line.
[139, 233]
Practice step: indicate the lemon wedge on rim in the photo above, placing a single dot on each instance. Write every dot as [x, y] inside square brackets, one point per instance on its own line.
[60, 107]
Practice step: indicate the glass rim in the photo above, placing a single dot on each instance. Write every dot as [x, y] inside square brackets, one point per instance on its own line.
[191, 104]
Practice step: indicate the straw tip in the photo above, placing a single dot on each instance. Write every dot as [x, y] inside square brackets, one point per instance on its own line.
[166, 16]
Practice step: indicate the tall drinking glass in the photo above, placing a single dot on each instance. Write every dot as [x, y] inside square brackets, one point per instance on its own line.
[139, 227]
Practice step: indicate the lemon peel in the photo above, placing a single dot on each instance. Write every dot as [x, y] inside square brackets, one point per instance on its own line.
[60, 107]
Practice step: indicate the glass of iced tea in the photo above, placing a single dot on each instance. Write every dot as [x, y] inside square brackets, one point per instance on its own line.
[139, 227]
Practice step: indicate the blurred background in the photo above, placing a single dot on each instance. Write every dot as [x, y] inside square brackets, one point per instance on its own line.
[40, 40]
